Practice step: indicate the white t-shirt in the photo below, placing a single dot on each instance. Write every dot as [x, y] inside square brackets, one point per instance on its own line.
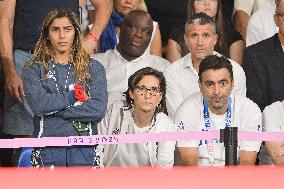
[119, 120]
[273, 117]
[118, 70]
[245, 115]
[182, 81]
[261, 24]
[248, 6]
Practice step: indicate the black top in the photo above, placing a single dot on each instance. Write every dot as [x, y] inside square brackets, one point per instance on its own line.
[29, 15]
[263, 64]
[169, 14]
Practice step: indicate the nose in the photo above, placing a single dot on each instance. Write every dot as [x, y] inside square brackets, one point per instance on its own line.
[61, 34]
[147, 94]
[128, 1]
[216, 90]
[199, 41]
[138, 32]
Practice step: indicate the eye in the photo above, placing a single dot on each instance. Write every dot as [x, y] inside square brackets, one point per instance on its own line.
[156, 89]
[68, 29]
[209, 84]
[194, 35]
[206, 35]
[54, 29]
[223, 83]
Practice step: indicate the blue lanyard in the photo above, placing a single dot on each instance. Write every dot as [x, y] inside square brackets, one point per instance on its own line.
[210, 146]
[206, 114]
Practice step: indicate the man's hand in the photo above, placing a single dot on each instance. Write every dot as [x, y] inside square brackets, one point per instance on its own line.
[14, 86]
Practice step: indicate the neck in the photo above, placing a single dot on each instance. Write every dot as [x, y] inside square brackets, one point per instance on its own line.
[141, 118]
[196, 64]
[125, 55]
[219, 111]
[281, 38]
[62, 58]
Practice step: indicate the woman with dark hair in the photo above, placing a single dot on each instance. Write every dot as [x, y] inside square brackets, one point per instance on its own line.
[229, 43]
[66, 91]
[142, 112]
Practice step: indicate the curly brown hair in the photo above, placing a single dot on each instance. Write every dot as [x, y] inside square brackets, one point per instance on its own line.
[44, 51]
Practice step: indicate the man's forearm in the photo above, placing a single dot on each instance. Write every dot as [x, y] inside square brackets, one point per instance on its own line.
[103, 9]
[6, 36]
[240, 22]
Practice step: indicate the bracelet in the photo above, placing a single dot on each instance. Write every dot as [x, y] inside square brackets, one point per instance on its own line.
[92, 35]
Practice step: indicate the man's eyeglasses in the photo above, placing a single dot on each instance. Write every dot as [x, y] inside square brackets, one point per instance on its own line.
[154, 91]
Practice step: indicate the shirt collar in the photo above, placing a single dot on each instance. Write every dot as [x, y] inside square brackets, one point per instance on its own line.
[145, 54]
[188, 62]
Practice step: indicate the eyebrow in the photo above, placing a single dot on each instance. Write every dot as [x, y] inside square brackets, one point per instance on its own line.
[55, 27]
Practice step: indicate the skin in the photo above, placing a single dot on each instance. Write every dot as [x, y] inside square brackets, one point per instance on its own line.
[123, 7]
[216, 87]
[13, 83]
[207, 6]
[135, 35]
[200, 40]
[61, 36]
[145, 104]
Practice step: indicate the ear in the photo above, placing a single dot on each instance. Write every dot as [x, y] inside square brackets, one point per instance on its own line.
[215, 39]
[276, 20]
[131, 94]
[185, 37]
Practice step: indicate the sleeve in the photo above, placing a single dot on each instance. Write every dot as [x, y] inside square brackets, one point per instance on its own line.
[240, 86]
[39, 99]
[253, 123]
[255, 88]
[244, 5]
[271, 119]
[187, 120]
[254, 31]
[174, 96]
[103, 126]
[93, 109]
[166, 149]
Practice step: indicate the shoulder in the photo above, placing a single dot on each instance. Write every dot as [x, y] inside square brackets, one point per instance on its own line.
[246, 106]
[103, 57]
[96, 66]
[165, 123]
[159, 63]
[178, 65]
[274, 107]
[192, 104]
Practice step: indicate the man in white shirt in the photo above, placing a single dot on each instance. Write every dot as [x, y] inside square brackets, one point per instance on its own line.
[261, 24]
[213, 109]
[130, 54]
[273, 121]
[182, 75]
[243, 9]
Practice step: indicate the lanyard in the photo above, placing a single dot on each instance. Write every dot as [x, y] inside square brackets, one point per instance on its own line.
[210, 147]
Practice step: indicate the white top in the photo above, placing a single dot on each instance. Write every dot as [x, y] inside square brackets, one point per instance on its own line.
[182, 81]
[118, 70]
[261, 24]
[245, 115]
[119, 120]
[273, 117]
[248, 6]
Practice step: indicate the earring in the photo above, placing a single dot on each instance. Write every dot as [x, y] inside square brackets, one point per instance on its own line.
[159, 107]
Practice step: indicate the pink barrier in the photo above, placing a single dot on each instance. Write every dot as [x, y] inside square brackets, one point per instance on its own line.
[239, 177]
[131, 138]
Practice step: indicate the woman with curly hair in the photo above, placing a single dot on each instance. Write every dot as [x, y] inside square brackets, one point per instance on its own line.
[66, 91]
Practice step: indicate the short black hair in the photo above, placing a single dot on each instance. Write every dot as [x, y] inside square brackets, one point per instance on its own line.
[215, 62]
[138, 76]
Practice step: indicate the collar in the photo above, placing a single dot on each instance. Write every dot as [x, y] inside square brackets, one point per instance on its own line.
[117, 54]
[188, 62]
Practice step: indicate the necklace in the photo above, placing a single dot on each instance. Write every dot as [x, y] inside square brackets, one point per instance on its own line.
[52, 74]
